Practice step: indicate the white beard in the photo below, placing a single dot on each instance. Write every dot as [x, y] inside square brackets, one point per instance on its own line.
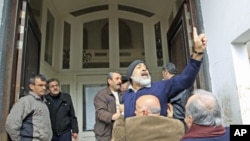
[142, 81]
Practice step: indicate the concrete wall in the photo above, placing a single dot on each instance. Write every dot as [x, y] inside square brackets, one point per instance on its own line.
[227, 27]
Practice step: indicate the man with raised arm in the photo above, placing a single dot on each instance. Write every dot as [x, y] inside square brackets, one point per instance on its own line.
[140, 79]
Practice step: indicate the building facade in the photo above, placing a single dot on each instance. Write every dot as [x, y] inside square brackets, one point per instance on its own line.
[80, 42]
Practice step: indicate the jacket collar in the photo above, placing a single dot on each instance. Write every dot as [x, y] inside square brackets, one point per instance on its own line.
[109, 92]
[201, 131]
[36, 96]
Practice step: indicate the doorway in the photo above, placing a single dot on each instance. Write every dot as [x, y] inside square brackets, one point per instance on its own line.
[84, 98]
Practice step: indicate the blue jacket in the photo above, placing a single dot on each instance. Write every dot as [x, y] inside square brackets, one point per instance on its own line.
[162, 89]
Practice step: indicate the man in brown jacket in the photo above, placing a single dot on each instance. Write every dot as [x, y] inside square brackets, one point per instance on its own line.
[107, 102]
[147, 125]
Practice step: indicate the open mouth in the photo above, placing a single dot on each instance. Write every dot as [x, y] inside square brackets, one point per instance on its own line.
[144, 74]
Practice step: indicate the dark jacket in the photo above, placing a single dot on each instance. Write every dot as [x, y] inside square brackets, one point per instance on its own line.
[62, 114]
[105, 107]
[162, 89]
[179, 101]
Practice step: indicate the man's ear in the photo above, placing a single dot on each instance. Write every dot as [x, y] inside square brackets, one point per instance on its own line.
[109, 81]
[31, 86]
[189, 121]
[145, 112]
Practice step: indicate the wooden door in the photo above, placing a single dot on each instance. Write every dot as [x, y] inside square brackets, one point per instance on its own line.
[180, 41]
[178, 37]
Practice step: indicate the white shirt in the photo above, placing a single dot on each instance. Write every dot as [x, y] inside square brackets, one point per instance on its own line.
[117, 101]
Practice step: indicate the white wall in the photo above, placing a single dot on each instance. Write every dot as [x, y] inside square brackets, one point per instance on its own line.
[227, 26]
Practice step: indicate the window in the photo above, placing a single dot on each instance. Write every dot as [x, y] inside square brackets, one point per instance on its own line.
[131, 41]
[65, 88]
[66, 45]
[158, 44]
[95, 50]
[49, 38]
[89, 92]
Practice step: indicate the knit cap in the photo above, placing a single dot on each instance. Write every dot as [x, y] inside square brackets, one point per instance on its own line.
[131, 67]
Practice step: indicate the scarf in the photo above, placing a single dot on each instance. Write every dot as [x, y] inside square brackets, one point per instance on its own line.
[200, 131]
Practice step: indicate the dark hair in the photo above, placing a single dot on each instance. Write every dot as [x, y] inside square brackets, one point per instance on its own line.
[170, 67]
[33, 77]
[124, 79]
[52, 80]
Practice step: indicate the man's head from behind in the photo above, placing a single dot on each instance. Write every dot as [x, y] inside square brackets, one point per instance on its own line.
[147, 105]
[168, 70]
[138, 73]
[125, 84]
[37, 84]
[203, 108]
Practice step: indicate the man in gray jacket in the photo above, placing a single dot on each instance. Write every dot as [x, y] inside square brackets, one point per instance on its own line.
[29, 118]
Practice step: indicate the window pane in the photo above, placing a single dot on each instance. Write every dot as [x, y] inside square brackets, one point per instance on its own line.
[158, 44]
[89, 92]
[49, 38]
[95, 53]
[36, 6]
[65, 88]
[131, 41]
[66, 45]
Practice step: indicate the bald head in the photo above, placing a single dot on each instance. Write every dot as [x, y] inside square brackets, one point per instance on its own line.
[147, 105]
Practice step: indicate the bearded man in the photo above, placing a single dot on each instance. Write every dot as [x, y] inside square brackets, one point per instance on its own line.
[140, 79]
[107, 102]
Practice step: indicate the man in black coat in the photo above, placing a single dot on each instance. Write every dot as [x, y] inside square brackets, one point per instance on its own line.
[62, 114]
[179, 101]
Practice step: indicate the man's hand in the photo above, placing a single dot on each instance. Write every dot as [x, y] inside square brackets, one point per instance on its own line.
[116, 116]
[121, 108]
[170, 110]
[75, 136]
[200, 43]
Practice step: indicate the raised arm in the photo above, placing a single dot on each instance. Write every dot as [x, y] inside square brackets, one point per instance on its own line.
[187, 77]
[200, 43]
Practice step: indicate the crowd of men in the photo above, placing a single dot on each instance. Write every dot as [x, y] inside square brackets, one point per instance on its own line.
[130, 108]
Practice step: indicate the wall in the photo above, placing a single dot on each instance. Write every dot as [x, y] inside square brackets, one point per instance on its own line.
[226, 25]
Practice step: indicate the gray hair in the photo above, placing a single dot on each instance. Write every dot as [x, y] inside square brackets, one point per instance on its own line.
[170, 67]
[153, 109]
[39, 76]
[110, 75]
[205, 109]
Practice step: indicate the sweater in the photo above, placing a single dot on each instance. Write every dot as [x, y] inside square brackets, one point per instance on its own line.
[163, 89]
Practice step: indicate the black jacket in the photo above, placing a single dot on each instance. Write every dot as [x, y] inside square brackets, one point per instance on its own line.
[62, 114]
[179, 102]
